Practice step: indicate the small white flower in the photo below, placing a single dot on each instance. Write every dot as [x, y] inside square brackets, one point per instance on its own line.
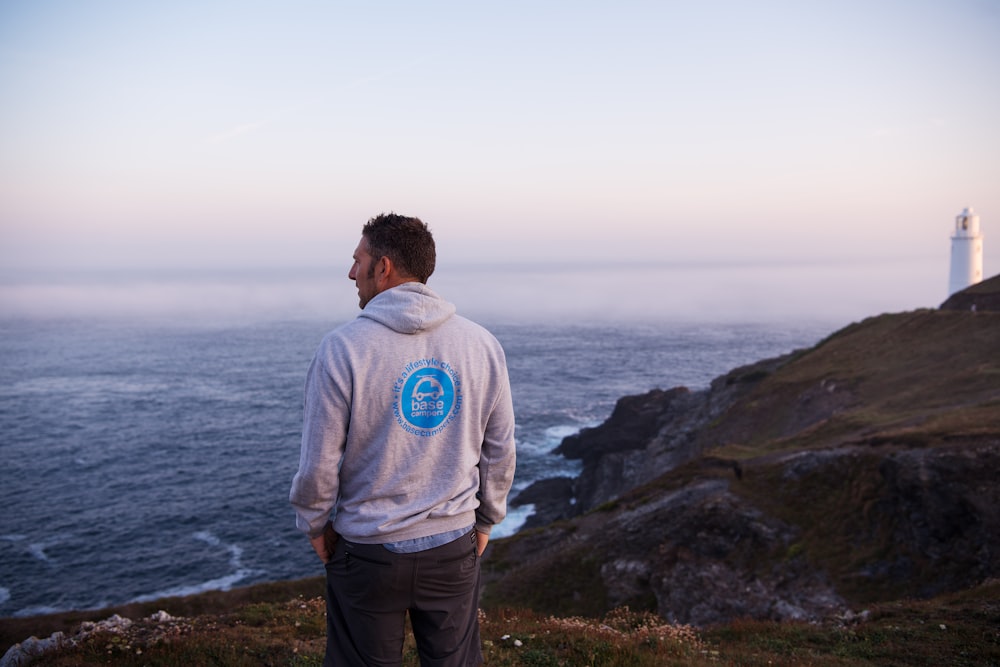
[519, 643]
[505, 638]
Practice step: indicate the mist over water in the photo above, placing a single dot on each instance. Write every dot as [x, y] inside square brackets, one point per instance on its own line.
[831, 292]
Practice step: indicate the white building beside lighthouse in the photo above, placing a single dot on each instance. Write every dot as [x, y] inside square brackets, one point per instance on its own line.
[966, 252]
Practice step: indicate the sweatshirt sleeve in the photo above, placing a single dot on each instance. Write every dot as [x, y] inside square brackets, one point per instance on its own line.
[326, 415]
[497, 459]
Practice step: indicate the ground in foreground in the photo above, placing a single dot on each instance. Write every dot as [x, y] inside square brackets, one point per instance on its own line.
[236, 629]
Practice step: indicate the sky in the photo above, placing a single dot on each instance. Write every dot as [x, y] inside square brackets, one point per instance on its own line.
[253, 136]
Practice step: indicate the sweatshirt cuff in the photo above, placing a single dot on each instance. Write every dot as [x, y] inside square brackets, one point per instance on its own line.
[313, 534]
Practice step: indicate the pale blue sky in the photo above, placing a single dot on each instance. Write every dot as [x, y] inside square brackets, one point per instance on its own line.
[251, 134]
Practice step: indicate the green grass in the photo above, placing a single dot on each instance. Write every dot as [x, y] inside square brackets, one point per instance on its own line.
[577, 570]
[923, 376]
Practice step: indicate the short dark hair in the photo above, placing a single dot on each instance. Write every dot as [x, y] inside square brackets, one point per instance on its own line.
[407, 242]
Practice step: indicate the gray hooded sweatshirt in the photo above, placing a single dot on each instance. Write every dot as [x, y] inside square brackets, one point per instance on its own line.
[408, 427]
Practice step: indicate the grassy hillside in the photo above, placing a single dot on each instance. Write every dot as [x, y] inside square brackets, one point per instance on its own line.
[922, 378]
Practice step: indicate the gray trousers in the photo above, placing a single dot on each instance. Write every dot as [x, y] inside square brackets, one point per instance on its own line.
[369, 591]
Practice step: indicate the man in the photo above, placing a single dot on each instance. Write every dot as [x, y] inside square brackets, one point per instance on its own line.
[408, 439]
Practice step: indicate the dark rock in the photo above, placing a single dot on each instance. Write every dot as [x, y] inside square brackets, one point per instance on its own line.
[632, 423]
[553, 500]
[946, 502]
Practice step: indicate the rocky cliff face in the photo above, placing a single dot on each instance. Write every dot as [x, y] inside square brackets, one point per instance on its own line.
[864, 469]
[645, 436]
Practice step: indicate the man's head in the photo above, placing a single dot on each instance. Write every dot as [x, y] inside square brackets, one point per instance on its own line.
[394, 249]
[407, 242]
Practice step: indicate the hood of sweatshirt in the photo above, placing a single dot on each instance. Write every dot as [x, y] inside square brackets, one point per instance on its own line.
[408, 308]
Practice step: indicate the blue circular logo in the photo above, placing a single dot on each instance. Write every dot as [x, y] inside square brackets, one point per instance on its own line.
[427, 398]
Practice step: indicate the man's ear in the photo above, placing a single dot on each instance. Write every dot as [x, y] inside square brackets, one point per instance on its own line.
[383, 269]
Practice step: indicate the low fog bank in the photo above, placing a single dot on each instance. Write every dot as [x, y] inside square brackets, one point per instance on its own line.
[837, 293]
[192, 297]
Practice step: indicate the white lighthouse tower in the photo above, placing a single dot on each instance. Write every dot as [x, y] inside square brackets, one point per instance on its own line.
[966, 252]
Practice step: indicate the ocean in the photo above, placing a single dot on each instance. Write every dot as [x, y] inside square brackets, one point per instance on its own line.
[147, 457]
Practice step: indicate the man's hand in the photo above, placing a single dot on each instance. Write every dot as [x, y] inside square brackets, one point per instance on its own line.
[325, 544]
[481, 540]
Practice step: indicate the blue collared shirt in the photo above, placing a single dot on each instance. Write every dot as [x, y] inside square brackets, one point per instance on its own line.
[425, 543]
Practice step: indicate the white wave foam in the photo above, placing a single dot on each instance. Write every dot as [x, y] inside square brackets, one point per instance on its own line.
[13, 537]
[37, 610]
[557, 433]
[547, 440]
[217, 584]
[235, 550]
[4, 594]
[38, 551]
[207, 537]
[553, 436]
[516, 516]
[235, 555]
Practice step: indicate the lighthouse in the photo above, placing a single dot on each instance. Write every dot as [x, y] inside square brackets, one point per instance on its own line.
[966, 252]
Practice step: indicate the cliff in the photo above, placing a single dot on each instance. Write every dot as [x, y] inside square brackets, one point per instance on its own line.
[861, 470]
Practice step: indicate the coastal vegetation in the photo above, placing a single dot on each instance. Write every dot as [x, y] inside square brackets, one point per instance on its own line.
[283, 624]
